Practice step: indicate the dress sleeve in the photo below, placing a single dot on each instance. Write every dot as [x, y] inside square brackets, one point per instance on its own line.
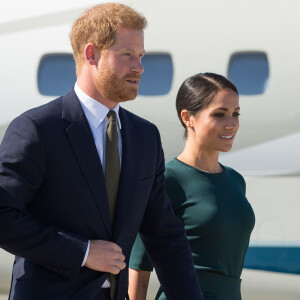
[139, 259]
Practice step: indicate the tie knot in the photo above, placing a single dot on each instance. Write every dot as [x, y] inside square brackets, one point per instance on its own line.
[112, 116]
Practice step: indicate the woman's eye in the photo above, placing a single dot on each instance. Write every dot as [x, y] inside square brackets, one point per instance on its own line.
[236, 114]
[219, 115]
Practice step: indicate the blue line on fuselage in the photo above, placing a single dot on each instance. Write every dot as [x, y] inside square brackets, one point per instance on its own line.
[277, 259]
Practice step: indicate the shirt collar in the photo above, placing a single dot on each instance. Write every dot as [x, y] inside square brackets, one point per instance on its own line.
[95, 111]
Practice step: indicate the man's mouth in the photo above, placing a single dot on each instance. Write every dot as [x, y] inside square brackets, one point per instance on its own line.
[133, 81]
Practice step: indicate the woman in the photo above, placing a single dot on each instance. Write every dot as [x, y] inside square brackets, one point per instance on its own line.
[208, 197]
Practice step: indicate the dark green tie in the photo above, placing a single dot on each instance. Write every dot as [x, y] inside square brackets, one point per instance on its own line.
[112, 163]
[112, 176]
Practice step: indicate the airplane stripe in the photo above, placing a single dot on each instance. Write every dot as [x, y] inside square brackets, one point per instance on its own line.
[276, 259]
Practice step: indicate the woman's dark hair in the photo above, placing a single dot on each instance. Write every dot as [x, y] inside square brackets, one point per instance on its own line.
[198, 91]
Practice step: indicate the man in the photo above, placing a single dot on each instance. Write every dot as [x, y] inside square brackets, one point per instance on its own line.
[80, 176]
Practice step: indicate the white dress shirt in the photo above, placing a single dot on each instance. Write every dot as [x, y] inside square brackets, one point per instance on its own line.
[96, 114]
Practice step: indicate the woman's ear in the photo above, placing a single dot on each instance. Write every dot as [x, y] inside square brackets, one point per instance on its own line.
[186, 118]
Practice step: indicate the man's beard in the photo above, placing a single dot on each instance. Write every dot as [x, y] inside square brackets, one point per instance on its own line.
[116, 89]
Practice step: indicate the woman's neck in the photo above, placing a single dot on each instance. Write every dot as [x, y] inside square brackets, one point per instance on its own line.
[200, 158]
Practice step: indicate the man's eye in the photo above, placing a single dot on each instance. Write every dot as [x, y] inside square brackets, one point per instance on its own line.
[236, 114]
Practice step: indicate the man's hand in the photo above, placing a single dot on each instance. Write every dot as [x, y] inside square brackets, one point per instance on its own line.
[105, 256]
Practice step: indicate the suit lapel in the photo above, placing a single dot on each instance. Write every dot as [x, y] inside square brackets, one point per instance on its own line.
[83, 145]
[129, 170]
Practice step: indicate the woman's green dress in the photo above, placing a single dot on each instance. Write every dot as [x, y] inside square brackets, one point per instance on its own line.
[218, 220]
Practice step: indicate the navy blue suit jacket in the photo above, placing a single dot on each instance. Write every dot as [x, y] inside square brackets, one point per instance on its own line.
[53, 200]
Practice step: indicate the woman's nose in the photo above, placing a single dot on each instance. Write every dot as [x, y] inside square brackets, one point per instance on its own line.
[232, 123]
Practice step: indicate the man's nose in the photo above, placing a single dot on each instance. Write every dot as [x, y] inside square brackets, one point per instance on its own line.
[138, 67]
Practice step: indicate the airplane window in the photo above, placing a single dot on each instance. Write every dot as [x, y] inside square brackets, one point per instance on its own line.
[158, 74]
[249, 71]
[56, 74]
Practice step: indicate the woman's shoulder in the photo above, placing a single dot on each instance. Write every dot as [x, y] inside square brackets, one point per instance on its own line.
[173, 171]
[176, 166]
[172, 165]
[175, 183]
[234, 175]
[176, 171]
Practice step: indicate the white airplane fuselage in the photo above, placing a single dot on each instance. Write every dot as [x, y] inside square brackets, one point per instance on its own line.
[197, 36]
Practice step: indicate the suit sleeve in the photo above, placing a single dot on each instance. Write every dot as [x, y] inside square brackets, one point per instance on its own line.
[22, 171]
[164, 237]
[139, 259]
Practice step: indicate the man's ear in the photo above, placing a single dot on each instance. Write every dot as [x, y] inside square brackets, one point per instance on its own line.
[91, 54]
